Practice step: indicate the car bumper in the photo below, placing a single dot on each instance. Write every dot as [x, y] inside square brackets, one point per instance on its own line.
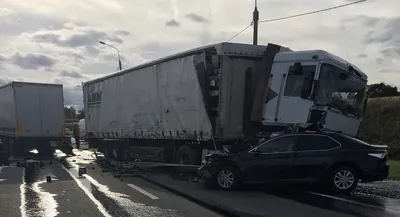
[378, 174]
[206, 171]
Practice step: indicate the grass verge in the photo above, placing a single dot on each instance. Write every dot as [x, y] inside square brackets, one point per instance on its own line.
[394, 169]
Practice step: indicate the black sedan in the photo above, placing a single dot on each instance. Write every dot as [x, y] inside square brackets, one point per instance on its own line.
[332, 159]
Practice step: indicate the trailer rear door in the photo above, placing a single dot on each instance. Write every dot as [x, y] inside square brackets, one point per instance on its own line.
[28, 110]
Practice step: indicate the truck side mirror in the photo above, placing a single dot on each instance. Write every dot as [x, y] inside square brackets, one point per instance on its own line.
[297, 69]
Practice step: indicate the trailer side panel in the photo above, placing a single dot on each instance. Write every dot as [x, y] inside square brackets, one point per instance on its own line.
[164, 100]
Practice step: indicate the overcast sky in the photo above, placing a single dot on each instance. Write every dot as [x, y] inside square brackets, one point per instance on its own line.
[57, 40]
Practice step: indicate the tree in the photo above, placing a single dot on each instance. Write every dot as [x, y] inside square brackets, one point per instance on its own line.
[69, 112]
[382, 90]
[81, 114]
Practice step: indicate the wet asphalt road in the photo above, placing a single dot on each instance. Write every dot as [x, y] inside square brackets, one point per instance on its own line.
[26, 193]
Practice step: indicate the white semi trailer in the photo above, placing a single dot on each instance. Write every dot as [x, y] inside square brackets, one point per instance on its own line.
[173, 108]
[31, 117]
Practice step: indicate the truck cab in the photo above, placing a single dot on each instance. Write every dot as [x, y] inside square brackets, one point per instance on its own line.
[307, 87]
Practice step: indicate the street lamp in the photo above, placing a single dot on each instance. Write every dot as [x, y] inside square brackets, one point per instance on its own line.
[119, 59]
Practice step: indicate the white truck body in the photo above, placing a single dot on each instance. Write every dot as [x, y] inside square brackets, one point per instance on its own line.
[31, 110]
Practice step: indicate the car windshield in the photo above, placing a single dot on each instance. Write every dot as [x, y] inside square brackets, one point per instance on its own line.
[346, 95]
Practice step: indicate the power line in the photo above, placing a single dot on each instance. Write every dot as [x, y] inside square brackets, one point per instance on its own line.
[240, 32]
[296, 15]
[312, 12]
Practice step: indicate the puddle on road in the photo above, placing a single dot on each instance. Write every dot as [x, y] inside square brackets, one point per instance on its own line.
[35, 202]
[114, 203]
[355, 204]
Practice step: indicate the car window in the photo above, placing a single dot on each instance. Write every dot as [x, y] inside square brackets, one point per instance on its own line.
[279, 145]
[315, 143]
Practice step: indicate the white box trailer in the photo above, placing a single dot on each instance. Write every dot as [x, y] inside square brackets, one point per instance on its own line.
[206, 97]
[31, 116]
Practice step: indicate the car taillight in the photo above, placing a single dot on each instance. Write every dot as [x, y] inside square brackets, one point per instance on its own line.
[378, 155]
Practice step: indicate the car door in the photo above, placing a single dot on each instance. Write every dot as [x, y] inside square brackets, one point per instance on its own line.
[314, 153]
[272, 160]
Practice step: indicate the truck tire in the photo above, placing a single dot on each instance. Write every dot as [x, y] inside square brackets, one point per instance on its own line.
[186, 155]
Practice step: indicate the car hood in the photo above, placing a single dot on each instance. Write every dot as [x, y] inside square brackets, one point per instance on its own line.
[220, 156]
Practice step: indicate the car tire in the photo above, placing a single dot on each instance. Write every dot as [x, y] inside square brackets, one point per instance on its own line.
[227, 178]
[344, 179]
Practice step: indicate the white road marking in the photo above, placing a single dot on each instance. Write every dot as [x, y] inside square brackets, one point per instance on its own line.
[143, 191]
[354, 202]
[100, 206]
[23, 196]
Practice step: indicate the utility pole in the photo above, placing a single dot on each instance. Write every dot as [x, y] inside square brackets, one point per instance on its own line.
[255, 24]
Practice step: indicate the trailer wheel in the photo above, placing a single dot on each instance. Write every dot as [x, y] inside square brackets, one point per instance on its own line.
[186, 155]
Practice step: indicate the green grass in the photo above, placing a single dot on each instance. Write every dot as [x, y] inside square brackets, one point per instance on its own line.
[381, 124]
[394, 169]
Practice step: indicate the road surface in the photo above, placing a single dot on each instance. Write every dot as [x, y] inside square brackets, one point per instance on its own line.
[98, 193]
[26, 193]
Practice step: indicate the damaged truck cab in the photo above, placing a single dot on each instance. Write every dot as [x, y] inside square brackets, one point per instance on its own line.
[315, 87]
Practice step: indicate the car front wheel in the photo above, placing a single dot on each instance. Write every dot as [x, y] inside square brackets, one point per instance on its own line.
[344, 179]
[227, 178]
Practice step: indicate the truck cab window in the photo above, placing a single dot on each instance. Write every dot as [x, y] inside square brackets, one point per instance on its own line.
[343, 94]
[294, 82]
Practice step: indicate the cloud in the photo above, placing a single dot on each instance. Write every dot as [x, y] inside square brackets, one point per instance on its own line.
[15, 22]
[113, 57]
[363, 55]
[78, 37]
[196, 18]
[2, 59]
[71, 74]
[172, 23]
[388, 70]
[72, 96]
[32, 60]
[4, 81]
[122, 32]
[382, 31]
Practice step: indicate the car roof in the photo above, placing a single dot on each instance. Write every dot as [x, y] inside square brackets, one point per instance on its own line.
[312, 133]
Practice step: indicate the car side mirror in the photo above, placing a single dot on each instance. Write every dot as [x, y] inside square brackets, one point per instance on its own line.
[256, 153]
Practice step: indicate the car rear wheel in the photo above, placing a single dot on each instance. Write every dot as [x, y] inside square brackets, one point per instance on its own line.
[227, 178]
[344, 179]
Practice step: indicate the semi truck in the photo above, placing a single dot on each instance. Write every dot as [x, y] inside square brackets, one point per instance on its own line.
[31, 117]
[176, 108]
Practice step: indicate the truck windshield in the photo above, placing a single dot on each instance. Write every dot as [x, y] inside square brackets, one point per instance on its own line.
[346, 95]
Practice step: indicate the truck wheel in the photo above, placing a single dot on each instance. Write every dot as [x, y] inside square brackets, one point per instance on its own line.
[344, 179]
[107, 153]
[186, 155]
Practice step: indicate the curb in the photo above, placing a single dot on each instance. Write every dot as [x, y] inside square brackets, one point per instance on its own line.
[209, 206]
